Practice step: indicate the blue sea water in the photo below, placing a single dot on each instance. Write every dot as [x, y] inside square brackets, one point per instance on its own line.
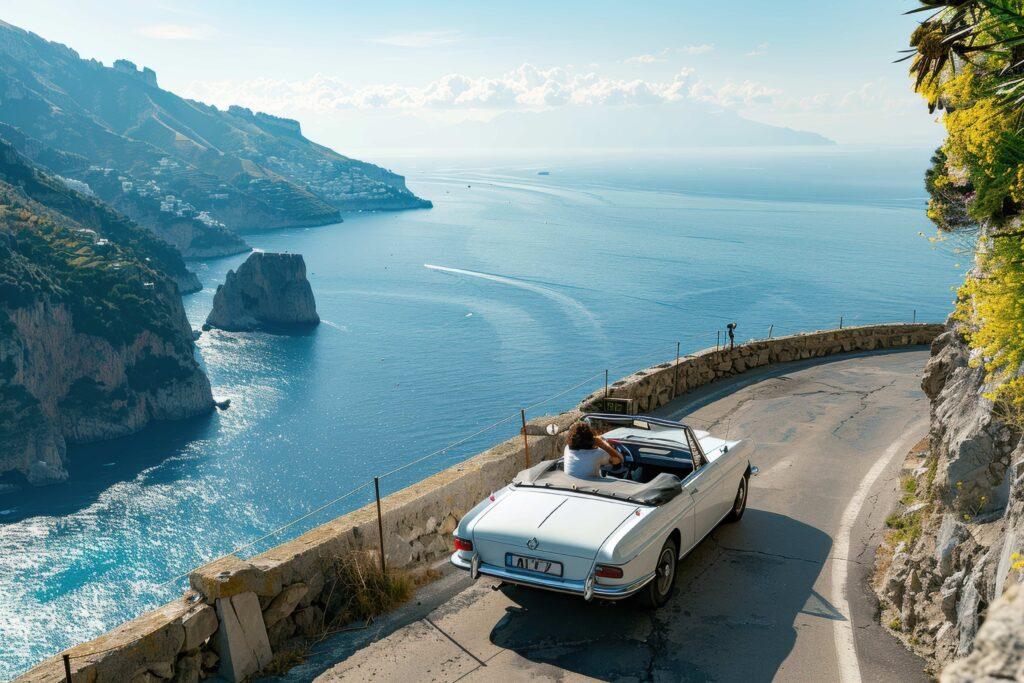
[541, 282]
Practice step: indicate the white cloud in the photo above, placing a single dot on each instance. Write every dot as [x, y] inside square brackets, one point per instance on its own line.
[645, 59]
[759, 51]
[527, 88]
[695, 49]
[177, 31]
[735, 95]
[421, 39]
[878, 96]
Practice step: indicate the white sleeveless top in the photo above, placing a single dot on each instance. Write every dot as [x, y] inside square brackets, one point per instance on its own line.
[585, 464]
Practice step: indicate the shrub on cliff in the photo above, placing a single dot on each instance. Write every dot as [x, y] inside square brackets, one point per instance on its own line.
[967, 62]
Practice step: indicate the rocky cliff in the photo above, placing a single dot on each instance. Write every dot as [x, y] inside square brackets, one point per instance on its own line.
[94, 342]
[269, 292]
[957, 538]
[231, 169]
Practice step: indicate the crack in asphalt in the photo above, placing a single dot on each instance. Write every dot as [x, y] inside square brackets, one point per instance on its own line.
[778, 555]
[864, 404]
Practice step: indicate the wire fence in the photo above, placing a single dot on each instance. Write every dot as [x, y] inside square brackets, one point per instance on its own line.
[665, 350]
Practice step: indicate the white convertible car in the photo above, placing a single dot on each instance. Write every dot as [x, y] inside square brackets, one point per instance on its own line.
[613, 537]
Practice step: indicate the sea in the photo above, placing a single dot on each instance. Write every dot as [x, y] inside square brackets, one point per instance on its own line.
[533, 275]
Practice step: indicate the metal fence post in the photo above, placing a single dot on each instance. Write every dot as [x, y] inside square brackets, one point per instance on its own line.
[606, 384]
[526, 439]
[840, 322]
[718, 339]
[914, 320]
[770, 328]
[67, 668]
[380, 525]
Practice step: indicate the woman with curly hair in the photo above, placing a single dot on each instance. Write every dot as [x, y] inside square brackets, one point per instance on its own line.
[587, 452]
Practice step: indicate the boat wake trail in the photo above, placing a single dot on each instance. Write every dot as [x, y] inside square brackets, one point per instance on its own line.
[572, 306]
[340, 328]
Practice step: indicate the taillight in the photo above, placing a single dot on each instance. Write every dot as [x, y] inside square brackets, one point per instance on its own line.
[606, 571]
[463, 544]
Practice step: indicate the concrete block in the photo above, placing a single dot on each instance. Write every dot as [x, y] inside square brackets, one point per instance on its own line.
[244, 645]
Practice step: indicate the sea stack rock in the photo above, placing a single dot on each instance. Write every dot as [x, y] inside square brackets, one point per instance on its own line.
[269, 292]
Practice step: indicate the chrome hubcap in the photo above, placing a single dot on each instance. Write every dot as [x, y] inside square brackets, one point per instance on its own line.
[741, 497]
[666, 567]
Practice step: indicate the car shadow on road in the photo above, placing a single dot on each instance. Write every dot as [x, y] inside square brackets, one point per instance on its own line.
[740, 596]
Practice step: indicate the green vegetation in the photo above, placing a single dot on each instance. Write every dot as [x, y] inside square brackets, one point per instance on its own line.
[904, 527]
[110, 292]
[968, 61]
[909, 486]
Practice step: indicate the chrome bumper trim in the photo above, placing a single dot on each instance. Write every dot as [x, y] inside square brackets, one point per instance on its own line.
[553, 584]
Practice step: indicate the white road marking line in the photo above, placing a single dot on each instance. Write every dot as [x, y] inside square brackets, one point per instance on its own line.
[842, 629]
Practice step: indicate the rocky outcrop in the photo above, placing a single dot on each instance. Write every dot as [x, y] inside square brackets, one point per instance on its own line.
[999, 646]
[63, 386]
[269, 292]
[94, 342]
[955, 535]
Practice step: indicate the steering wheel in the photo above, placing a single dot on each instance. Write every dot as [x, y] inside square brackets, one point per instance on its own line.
[621, 470]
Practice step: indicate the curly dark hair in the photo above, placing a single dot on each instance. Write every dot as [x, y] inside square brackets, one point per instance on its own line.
[581, 437]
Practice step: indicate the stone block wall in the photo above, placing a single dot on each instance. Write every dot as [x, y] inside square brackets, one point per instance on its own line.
[239, 612]
[653, 387]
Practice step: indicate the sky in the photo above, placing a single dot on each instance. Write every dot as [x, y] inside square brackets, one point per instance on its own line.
[352, 71]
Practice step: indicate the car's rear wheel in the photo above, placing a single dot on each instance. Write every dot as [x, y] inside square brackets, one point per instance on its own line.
[659, 590]
[739, 504]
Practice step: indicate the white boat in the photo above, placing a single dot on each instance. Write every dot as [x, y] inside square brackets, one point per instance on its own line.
[616, 536]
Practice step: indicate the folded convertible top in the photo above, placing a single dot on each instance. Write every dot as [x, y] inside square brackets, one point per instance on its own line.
[658, 491]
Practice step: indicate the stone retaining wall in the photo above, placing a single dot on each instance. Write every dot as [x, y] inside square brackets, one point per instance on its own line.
[653, 387]
[238, 612]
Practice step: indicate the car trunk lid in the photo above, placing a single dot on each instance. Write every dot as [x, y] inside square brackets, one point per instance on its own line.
[556, 523]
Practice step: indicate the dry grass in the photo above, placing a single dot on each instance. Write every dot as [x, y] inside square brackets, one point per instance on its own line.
[283, 661]
[883, 560]
[359, 591]
[356, 592]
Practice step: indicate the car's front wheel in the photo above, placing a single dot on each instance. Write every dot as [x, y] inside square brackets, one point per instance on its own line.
[739, 504]
[659, 590]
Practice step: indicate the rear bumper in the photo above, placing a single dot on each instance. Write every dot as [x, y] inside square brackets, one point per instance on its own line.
[555, 584]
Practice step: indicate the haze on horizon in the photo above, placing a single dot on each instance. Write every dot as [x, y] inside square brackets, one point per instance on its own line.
[456, 74]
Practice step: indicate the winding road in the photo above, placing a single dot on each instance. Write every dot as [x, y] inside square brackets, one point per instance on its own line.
[783, 595]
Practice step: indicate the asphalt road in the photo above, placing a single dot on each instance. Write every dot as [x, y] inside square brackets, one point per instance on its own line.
[782, 595]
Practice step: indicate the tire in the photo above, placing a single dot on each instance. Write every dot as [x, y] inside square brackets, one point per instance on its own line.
[739, 505]
[659, 590]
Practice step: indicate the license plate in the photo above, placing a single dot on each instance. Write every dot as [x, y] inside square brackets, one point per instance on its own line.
[533, 564]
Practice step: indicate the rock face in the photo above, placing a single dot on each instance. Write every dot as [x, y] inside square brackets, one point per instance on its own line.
[94, 342]
[269, 292]
[999, 646]
[951, 577]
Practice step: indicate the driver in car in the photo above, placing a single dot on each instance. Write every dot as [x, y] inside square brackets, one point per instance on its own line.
[587, 452]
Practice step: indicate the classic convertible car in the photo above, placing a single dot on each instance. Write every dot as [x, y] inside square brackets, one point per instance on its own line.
[617, 536]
